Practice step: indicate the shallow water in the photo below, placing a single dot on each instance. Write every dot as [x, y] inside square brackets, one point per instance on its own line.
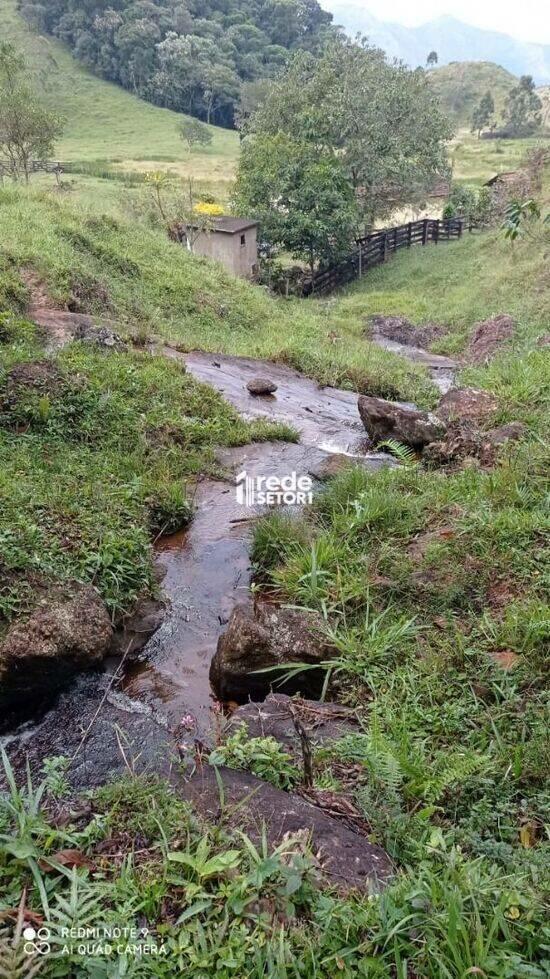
[206, 573]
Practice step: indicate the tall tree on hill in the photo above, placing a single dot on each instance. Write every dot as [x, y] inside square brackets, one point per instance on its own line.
[483, 113]
[380, 122]
[432, 59]
[522, 110]
[27, 129]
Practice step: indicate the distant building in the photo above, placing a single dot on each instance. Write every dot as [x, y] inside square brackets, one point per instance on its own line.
[231, 241]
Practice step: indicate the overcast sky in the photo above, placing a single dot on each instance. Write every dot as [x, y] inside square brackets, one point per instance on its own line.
[528, 20]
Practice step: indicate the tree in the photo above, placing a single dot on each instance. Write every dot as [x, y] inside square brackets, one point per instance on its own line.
[522, 111]
[381, 122]
[190, 55]
[301, 195]
[432, 59]
[483, 113]
[27, 130]
[195, 133]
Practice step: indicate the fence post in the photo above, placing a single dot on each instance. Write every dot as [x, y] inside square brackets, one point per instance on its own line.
[425, 232]
[460, 223]
[436, 232]
[385, 247]
[360, 261]
[409, 235]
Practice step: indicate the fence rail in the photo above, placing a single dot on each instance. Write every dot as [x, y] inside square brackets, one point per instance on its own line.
[9, 169]
[375, 248]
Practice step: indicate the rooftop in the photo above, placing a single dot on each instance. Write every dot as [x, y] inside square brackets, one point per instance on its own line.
[233, 226]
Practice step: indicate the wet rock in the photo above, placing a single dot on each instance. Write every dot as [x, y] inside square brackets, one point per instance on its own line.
[401, 330]
[99, 336]
[345, 859]
[276, 716]
[469, 445]
[388, 419]
[332, 465]
[68, 632]
[263, 637]
[488, 337]
[261, 385]
[135, 630]
[110, 719]
[466, 404]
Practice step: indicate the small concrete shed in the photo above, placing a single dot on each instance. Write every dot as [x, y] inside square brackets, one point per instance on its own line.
[234, 243]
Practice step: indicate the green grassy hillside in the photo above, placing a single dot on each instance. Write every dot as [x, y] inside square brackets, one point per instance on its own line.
[462, 84]
[103, 122]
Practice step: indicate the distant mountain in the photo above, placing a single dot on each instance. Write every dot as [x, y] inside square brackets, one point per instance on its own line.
[450, 38]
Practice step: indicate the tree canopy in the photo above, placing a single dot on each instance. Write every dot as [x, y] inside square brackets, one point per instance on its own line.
[380, 122]
[483, 113]
[522, 110]
[187, 55]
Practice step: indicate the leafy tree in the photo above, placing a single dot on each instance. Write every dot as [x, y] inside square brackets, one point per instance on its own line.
[432, 59]
[195, 133]
[300, 194]
[483, 113]
[27, 130]
[381, 122]
[190, 55]
[522, 111]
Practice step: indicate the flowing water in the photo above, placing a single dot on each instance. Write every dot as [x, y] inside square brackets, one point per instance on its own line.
[206, 573]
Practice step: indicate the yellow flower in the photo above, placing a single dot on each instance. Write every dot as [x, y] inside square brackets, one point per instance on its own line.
[513, 913]
[213, 210]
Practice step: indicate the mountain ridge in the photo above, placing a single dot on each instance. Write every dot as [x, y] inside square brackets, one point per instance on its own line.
[452, 39]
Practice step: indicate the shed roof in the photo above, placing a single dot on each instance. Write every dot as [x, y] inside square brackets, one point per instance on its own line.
[233, 226]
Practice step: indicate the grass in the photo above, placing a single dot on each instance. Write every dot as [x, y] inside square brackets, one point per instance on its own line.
[136, 276]
[437, 288]
[107, 124]
[431, 584]
[96, 453]
[427, 581]
[461, 85]
[474, 161]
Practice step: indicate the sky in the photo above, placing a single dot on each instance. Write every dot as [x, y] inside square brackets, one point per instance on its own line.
[527, 20]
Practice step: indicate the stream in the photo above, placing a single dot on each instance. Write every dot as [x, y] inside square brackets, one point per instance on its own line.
[135, 721]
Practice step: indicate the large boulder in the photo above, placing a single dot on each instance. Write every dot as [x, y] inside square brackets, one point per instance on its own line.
[391, 420]
[267, 636]
[68, 632]
[344, 859]
[488, 337]
[466, 405]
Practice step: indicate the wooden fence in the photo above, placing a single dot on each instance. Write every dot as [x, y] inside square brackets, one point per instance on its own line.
[375, 248]
[36, 166]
